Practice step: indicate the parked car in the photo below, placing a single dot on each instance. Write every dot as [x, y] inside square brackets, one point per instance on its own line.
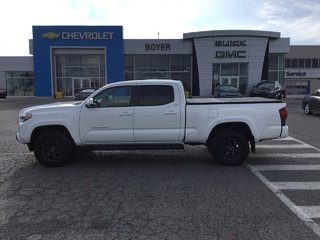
[227, 91]
[3, 93]
[311, 102]
[268, 89]
[84, 93]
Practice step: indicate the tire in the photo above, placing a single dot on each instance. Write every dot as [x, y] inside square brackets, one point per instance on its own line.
[53, 148]
[229, 147]
[307, 109]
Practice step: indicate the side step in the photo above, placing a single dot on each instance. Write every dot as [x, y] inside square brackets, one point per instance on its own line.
[134, 147]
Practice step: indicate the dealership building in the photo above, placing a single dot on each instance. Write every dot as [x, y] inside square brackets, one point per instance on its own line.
[66, 59]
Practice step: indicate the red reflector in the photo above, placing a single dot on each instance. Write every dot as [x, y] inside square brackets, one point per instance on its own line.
[283, 115]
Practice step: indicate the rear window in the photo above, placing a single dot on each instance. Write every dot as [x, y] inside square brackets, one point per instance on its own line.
[155, 95]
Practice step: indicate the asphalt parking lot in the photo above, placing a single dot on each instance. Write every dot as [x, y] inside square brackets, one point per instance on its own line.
[179, 194]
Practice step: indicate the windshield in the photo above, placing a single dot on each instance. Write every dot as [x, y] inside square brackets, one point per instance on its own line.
[88, 91]
[266, 85]
[228, 89]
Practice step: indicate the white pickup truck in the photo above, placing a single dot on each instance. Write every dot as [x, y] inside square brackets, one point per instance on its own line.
[150, 114]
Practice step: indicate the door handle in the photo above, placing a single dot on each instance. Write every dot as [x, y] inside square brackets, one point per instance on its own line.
[126, 114]
[171, 113]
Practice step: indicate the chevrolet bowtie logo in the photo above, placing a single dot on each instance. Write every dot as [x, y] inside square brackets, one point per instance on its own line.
[51, 35]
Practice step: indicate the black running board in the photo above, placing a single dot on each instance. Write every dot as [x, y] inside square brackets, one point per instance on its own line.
[134, 147]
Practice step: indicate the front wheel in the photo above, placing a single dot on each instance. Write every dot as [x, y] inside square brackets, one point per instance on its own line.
[229, 147]
[307, 109]
[53, 148]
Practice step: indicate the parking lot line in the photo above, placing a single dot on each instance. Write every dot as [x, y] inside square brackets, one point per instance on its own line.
[287, 155]
[298, 211]
[305, 213]
[311, 211]
[283, 146]
[284, 139]
[287, 167]
[296, 185]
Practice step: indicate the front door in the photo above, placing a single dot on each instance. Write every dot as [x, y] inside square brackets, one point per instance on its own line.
[231, 81]
[315, 101]
[111, 118]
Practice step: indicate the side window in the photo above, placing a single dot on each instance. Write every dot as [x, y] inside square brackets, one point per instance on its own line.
[113, 97]
[317, 93]
[155, 95]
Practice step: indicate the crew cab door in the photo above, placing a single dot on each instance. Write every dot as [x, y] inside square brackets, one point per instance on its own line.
[157, 114]
[109, 118]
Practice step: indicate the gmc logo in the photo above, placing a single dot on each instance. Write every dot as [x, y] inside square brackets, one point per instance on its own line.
[231, 54]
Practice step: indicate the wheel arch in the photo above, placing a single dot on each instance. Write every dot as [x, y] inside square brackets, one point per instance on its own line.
[39, 130]
[239, 126]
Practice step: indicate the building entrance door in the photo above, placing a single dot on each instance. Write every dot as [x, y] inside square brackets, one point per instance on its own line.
[80, 82]
[232, 81]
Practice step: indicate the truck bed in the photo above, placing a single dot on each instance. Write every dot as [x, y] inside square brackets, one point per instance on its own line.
[243, 100]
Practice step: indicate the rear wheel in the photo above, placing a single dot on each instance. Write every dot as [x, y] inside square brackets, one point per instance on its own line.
[53, 148]
[229, 147]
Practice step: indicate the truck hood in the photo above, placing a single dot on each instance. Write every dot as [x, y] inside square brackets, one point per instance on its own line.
[52, 106]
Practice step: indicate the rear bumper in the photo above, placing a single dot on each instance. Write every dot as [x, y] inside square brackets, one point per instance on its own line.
[284, 132]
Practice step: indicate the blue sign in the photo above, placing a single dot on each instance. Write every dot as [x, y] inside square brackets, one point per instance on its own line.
[45, 38]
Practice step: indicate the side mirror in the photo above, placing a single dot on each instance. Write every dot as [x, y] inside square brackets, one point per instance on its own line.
[90, 103]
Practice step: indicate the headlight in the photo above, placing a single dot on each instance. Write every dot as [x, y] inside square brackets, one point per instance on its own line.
[25, 117]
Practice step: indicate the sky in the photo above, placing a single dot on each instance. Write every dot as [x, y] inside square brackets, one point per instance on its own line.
[144, 19]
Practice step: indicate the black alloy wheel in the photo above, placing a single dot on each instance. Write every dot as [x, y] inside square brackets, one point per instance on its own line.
[53, 148]
[307, 109]
[229, 147]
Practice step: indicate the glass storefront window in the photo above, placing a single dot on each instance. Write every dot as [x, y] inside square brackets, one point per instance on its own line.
[229, 69]
[273, 62]
[226, 73]
[243, 69]
[143, 66]
[20, 83]
[294, 63]
[315, 63]
[288, 63]
[308, 63]
[72, 69]
[301, 63]
[276, 67]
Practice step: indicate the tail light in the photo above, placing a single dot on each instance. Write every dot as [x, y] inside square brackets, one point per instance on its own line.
[283, 115]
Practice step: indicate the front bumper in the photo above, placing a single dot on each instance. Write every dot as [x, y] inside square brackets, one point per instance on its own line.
[18, 138]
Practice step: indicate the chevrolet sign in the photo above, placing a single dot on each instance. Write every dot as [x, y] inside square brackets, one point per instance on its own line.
[79, 35]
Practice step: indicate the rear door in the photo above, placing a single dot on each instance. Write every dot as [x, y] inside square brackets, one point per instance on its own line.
[157, 114]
